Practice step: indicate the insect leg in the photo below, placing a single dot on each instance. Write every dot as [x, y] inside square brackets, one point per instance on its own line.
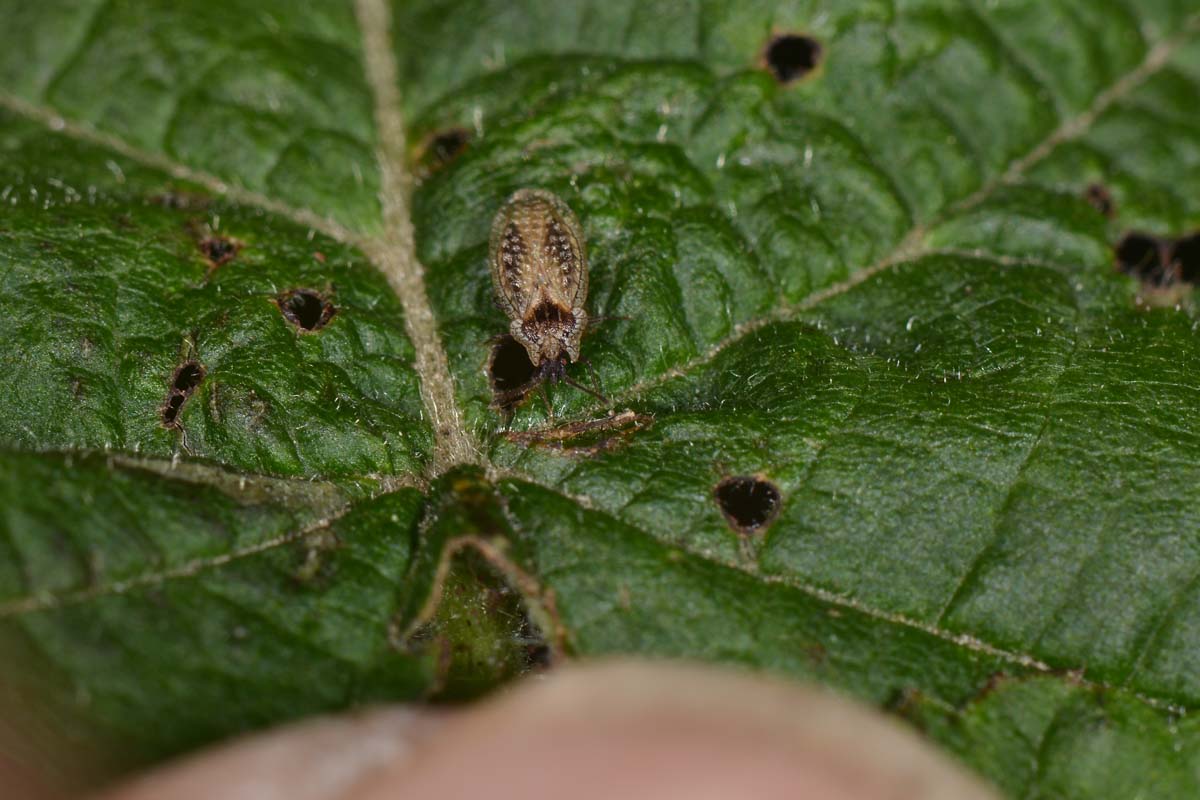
[594, 376]
[546, 399]
[567, 379]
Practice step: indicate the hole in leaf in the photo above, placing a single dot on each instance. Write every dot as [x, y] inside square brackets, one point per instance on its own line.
[441, 148]
[1141, 255]
[1185, 258]
[218, 249]
[171, 409]
[1100, 199]
[510, 371]
[448, 145]
[305, 309]
[188, 377]
[748, 502]
[791, 56]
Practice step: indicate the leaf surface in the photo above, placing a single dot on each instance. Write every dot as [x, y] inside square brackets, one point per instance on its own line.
[880, 289]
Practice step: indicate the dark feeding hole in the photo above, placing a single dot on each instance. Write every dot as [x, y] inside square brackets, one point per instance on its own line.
[1100, 199]
[172, 408]
[188, 377]
[791, 56]
[218, 249]
[441, 148]
[1185, 258]
[448, 145]
[749, 503]
[306, 309]
[509, 369]
[1141, 255]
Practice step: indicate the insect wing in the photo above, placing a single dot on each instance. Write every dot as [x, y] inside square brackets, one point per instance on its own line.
[536, 254]
[563, 255]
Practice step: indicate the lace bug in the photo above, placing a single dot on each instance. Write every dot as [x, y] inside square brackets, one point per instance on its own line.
[540, 274]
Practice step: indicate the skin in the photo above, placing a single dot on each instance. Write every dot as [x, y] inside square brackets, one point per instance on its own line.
[615, 730]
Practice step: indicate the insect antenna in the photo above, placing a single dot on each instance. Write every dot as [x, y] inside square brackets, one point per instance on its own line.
[600, 320]
[595, 378]
[569, 381]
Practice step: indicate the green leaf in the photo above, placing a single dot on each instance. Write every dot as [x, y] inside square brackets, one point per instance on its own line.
[250, 464]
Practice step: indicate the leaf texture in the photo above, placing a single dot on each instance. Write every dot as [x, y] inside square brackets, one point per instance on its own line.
[885, 289]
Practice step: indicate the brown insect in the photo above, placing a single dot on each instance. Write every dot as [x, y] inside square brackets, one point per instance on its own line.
[540, 274]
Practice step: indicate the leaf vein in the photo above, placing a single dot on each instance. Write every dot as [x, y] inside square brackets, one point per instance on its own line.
[50, 601]
[394, 253]
[1005, 505]
[176, 169]
[964, 640]
[910, 246]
